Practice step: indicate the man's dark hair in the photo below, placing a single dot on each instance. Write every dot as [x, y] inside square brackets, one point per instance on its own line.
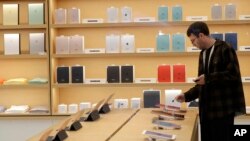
[198, 27]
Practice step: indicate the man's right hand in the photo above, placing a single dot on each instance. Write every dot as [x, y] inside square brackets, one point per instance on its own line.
[180, 98]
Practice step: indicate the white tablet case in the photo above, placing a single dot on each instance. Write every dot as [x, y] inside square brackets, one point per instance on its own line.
[127, 43]
[37, 43]
[76, 44]
[230, 11]
[120, 103]
[74, 16]
[126, 14]
[216, 12]
[170, 97]
[11, 44]
[60, 16]
[62, 45]
[84, 105]
[135, 103]
[112, 43]
[112, 13]
[73, 108]
[62, 108]
[10, 14]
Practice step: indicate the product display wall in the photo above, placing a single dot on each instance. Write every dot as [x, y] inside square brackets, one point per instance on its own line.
[96, 35]
[24, 58]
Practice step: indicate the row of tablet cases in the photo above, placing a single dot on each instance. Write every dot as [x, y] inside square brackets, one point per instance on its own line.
[119, 43]
[11, 13]
[126, 43]
[123, 74]
[231, 38]
[62, 16]
[12, 42]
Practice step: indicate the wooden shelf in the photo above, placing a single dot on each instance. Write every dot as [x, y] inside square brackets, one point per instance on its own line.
[21, 27]
[24, 56]
[23, 114]
[153, 54]
[25, 86]
[127, 84]
[121, 85]
[149, 24]
[156, 54]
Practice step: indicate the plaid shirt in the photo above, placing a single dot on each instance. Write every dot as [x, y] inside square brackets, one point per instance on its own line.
[222, 94]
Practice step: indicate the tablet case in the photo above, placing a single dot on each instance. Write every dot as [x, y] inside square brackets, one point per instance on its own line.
[162, 13]
[164, 73]
[216, 12]
[76, 44]
[126, 14]
[163, 43]
[60, 16]
[11, 44]
[62, 45]
[113, 74]
[151, 98]
[232, 40]
[112, 13]
[135, 103]
[62, 74]
[177, 13]
[127, 74]
[217, 36]
[170, 97]
[230, 11]
[112, 43]
[37, 43]
[127, 43]
[179, 73]
[74, 16]
[178, 42]
[36, 13]
[77, 74]
[10, 14]
[120, 103]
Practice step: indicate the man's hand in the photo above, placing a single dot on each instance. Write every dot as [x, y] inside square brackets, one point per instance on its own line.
[180, 98]
[200, 80]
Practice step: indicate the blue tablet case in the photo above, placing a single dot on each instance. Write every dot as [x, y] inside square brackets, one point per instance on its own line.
[163, 13]
[217, 36]
[231, 39]
[177, 13]
[178, 42]
[162, 43]
[151, 98]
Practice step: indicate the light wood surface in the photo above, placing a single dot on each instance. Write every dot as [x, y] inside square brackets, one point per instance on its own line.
[143, 121]
[127, 125]
[98, 130]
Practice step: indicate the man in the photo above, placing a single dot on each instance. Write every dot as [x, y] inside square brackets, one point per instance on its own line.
[218, 85]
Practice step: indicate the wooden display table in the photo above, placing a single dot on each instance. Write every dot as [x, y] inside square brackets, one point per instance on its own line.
[98, 130]
[127, 125]
[132, 131]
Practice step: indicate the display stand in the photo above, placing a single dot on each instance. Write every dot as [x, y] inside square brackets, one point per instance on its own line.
[75, 126]
[94, 115]
[104, 109]
[74, 123]
[59, 133]
[60, 136]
